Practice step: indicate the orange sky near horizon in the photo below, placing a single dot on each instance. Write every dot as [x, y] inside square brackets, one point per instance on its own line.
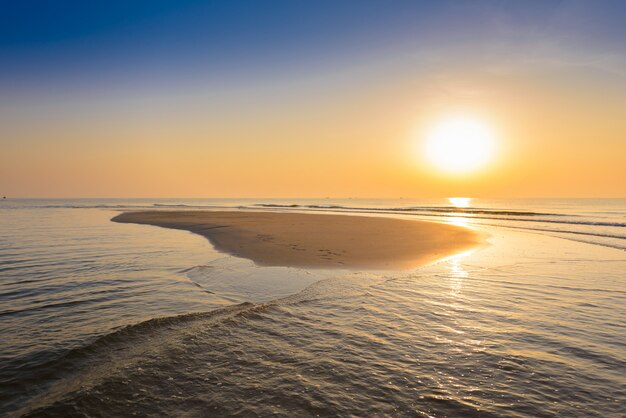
[351, 129]
[340, 139]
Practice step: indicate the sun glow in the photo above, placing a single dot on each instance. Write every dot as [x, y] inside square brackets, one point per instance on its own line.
[459, 144]
[460, 202]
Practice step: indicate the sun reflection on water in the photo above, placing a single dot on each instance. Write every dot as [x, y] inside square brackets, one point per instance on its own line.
[459, 221]
[457, 272]
[460, 202]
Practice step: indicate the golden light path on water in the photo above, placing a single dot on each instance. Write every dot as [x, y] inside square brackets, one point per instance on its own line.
[460, 202]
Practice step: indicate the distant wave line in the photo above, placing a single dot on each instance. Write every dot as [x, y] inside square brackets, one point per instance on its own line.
[435, 211]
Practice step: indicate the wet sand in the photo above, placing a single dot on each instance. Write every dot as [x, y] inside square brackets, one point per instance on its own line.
[317, 240]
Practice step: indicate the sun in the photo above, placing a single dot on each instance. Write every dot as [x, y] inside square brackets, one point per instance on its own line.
[459, 144]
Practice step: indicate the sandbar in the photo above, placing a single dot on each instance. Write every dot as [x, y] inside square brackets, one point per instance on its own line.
[318, 240]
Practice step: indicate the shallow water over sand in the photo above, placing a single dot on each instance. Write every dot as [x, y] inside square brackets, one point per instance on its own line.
[533, 325]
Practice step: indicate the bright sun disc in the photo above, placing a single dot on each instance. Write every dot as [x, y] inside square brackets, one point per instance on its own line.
[459, 144]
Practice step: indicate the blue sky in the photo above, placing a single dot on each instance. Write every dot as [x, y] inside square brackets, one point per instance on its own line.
[317, 98]
[130, 41]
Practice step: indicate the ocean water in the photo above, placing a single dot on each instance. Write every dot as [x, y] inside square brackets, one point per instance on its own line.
[106, 319]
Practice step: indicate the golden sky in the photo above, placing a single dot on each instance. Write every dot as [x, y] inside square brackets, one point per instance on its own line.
[351, 128]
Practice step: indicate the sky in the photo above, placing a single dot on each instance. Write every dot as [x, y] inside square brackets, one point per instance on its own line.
[309, 99]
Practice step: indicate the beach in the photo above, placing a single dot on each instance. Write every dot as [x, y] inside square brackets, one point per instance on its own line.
[313, 209]
[124, 318]
[318, 240]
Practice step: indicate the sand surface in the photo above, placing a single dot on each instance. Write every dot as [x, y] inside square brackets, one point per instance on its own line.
[317, 240]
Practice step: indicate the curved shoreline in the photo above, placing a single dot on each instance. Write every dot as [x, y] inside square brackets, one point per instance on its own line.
[317, 240]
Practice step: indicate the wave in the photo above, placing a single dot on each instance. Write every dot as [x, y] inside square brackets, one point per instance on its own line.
[86, 365]
[97, 357]
[182, 205]
[443, 209]
[471, 213]
[557, 233]
[83, 206]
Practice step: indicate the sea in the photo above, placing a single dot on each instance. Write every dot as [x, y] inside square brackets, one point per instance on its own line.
[103, 319]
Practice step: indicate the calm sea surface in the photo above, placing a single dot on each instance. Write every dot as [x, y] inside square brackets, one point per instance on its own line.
[105, 319]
